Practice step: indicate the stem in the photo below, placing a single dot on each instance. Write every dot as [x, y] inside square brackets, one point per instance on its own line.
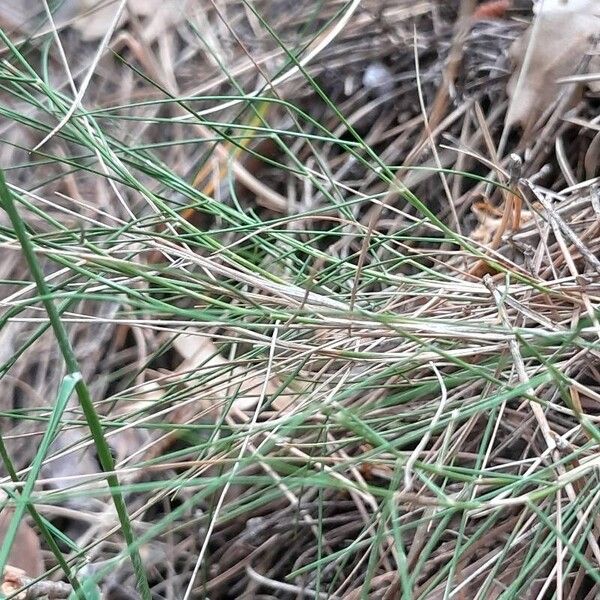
[83, 394]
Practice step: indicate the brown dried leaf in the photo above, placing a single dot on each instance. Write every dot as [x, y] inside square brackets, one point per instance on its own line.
[12, 581]
[71, 466]
[95, 16]
[26, 552]
[15, 579]
[26, 15]
[490, 219]
[493, 9]
[200, 352]
[130, 441]
[93, 22]
[15, 13]
[553, 47]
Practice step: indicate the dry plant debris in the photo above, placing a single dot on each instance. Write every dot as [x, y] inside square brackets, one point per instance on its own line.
[26, 552]
[561, 42]
[16, 584]
[338, 350]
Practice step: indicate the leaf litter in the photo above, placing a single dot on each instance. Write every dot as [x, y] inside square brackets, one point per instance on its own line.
[559, 43]
[483, 381]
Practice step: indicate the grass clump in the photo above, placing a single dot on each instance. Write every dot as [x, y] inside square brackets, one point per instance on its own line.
[257, 319]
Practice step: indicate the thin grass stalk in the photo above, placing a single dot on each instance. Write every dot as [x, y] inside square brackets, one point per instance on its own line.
[104, 454]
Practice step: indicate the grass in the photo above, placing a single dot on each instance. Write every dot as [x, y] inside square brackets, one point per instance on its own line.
[340, 396]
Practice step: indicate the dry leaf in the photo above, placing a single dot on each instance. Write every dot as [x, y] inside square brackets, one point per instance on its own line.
[13, 580]
[200, 352]
[92, 23]
[71, 468]
[494, 9]
[26, 15]
[26, 553]
[95, 16]
[126, 444]
[490, 219]
[15, 14]
[554, 47]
